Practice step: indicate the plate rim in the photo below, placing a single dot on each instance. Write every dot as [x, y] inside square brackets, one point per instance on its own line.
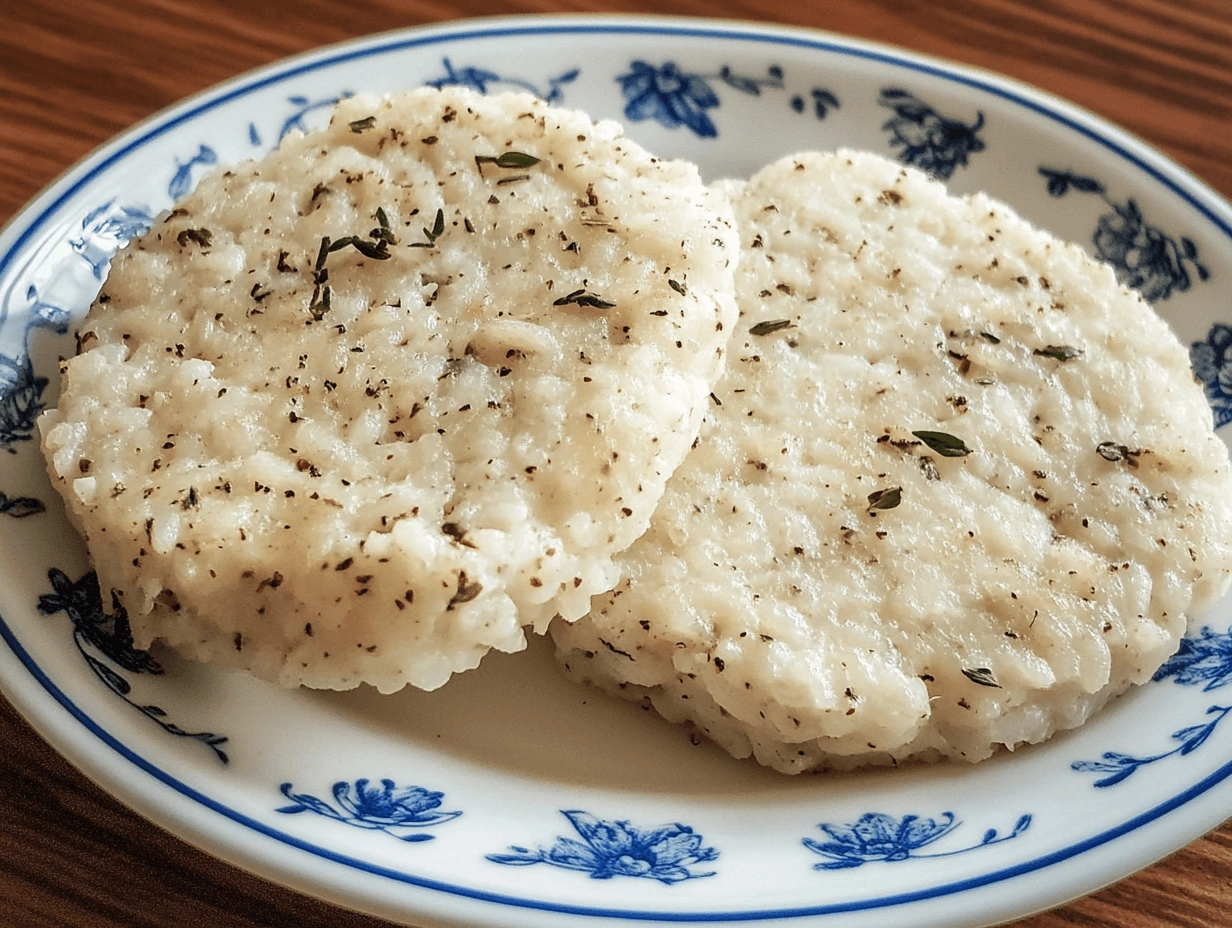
[59, 728]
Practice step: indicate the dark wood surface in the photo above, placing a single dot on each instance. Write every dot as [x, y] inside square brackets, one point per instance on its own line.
[74, 74]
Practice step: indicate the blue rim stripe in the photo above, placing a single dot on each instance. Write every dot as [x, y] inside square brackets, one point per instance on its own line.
[172, 120]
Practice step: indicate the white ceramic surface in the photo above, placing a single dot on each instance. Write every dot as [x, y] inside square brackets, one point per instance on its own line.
[510, 760]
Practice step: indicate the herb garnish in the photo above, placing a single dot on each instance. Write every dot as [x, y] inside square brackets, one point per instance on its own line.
[1111, 451]
[1059, 352]
[516, 179]
[202, 237]
[360, 125]
[510, 159]
[992, 338]
[981, 675]
[438, 227]
[582, 298]
[765, 328]
[678, 287]
[946, 445]
[885, 499]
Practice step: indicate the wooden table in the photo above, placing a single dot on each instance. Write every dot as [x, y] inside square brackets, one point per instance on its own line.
[74, 74]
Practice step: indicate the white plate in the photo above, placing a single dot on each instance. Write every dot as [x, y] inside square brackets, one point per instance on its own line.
[537, 799]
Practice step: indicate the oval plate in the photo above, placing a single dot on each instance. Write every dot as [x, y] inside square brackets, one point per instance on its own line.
[511, 798]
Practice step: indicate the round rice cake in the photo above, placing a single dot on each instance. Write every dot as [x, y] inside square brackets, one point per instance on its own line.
[957, 488]
[361, 410]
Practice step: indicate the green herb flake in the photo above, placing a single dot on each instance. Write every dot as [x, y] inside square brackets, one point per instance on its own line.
[320, 307]
[360, 125]
[678, 287]
[992, 338]
[885, 499]
[582, 298]
[516, 179]
[1111, 451]
[1060, 352]
[981, 675]
[945, 444]
[765, 328]
[438, 228]
[510, 159]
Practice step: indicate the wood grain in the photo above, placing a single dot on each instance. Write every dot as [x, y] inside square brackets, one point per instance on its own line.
[71, 76]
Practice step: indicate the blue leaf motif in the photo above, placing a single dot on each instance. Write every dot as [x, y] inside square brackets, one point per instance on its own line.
[182, 180]
[481, 79]
[386, 807]
[619, 848]
[1205, 660]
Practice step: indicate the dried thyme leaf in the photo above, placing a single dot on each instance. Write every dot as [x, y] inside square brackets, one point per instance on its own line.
[1111, 451]
[360, 125]
[992, 338]
[765, 328]
[438, 227]
[678, 287]
[582, 298]
[981, 675]
[1060, 352]
[946, 445]
[510, 159]
[202, 237]
[885, 499]
[320, 307]
[516, 179]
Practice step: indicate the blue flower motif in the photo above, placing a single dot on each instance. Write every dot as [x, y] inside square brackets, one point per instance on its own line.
[1204, 661]
[20, 401]
[479, 79]
[929, 141]
[105, 229]
[883, 838]
[669, 96]
[387, 807]
[1212, 365]
[1143, 256]
[620, 849]
[112, 636]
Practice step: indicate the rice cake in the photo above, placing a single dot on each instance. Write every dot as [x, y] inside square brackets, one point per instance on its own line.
[957, 488]
[363, 409]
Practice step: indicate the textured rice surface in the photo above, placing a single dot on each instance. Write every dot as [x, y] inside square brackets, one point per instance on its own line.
[460, 442]
[820, 587]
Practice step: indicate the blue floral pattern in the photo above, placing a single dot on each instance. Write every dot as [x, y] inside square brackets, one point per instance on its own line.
[1212, 365]
[387, 807]
[20, 401]
[20, 507]
[674, 98]
[296, 121]
[1143, 256]
[480, 79]
[112, 637]
[182, 180]
[926, 139]
[1204, 661]
[882, 838]
[619, 848]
